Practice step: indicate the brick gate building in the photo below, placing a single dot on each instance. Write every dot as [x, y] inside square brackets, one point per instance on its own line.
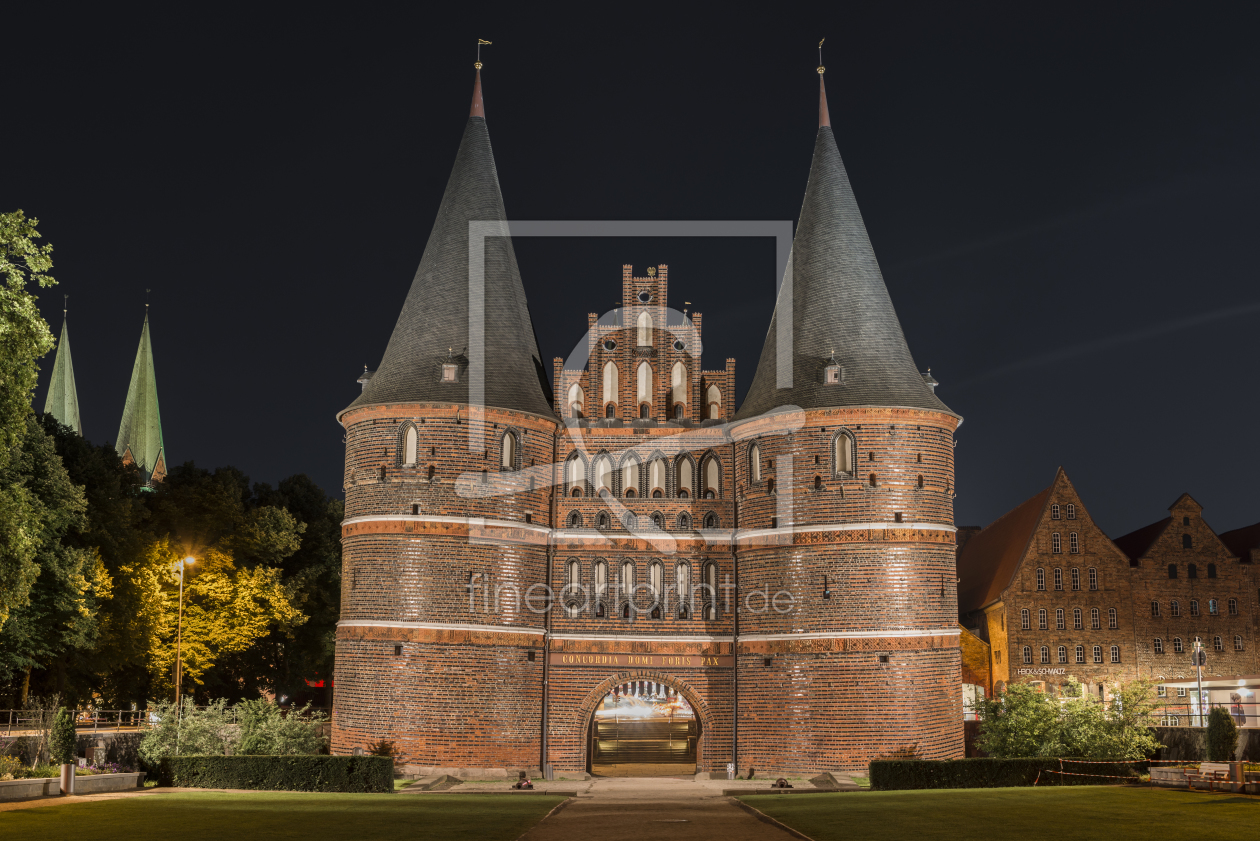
[771, 585]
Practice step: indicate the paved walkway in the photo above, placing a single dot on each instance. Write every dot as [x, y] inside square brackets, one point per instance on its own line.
[678, 809]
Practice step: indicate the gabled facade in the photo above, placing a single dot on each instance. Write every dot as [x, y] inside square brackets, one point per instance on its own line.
[140, 433]
[1188, 585]
[1050, 592]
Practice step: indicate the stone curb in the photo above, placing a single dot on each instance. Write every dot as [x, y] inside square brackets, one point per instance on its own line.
[764, 818]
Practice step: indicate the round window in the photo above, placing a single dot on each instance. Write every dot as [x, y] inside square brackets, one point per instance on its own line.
[609, 344]
[645, 296]
[680, 345]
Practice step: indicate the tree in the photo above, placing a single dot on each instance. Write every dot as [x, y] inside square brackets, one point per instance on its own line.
[60, 612]
[24, 338]
[61, 741]
[1222, 735]
[1020, 722]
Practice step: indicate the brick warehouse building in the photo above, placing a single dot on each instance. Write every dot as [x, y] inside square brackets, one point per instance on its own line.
[1054, 597]
[771, 585]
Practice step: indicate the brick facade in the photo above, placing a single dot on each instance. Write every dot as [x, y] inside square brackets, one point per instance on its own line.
[864, 664]
[1081, 605]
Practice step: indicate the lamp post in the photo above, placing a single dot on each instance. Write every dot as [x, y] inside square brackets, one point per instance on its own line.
[179, 632]
[1200, 658]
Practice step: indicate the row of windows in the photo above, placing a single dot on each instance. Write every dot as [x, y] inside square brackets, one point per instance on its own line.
[1074, 543]
[1179, 647]
[1174, 607]
[1055, 511]
[1060, 619]
[677, 396]
[630, 520]
[1076, 577]
[1192, 570]
[678, 599]
[509, 449]
[635, 479]
[1062, 654]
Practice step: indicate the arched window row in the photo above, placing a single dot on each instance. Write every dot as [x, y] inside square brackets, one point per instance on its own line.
[658, 477]
[647, 589]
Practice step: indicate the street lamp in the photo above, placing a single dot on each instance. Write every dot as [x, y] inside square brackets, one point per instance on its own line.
[179, 632]
[1200, 660]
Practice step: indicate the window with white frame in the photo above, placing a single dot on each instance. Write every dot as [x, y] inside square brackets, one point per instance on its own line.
[1080, 654]
[1074, 543]
[1174, 607]
[1027, 652]
[1161, 691]
[1211, 607]
[1023, 619]
[1194, 607]
[1058, 579]
[1093, 578]
[1159, 647]
[1238, 642]
[1178, 646]
[1098, 654]
[1071, 511]
[1054, 511]
[1093, 618]
[1076, 618]
[1233, 607]
[1115, 654]
[1154, 608]
[1041, 619]
[1076, 579]
[1181, 692]
[1111, 617]
[1056, 543]
[1063, 654]
[1045, 655]
[1041, 579]
[1059, 623]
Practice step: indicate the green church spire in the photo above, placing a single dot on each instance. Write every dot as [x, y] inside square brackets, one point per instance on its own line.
[140, 435]
[63, 398]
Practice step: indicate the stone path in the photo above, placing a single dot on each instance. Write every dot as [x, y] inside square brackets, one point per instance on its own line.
[678, 809]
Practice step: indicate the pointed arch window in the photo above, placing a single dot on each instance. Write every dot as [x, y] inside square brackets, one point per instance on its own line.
[656, 578]
[630, 479]
[603, 476]
[577, 398]
[611, 389]
[713, 399]
[686, 479]
[684, 521]
[754, 463]
[712, 478]
[575, 476]
[708, 591]
[575, 520]
[678, 387]
[644, 331]
[842, 449]
[627, 587]
[410, 445]
[643, 384]
[657, 477]
[507, 451]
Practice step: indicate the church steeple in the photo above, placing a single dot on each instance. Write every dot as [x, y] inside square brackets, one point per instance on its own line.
[140, 435]
[431, 356]
[63, 398]
[846, 343]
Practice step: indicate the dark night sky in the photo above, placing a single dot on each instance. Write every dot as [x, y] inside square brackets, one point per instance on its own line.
[1062, 197]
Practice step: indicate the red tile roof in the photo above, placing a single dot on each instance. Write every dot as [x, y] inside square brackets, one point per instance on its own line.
[1244, 542]
[988, 561]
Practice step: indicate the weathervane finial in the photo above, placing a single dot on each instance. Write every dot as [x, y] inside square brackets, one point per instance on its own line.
[65, 306]
[821, 69]
[480, 41]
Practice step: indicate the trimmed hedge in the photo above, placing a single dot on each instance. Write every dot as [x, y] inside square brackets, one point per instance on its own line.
[280, 773]
[986, 772]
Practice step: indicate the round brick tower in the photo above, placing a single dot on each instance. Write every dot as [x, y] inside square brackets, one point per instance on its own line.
[847, 631]
[448, 454]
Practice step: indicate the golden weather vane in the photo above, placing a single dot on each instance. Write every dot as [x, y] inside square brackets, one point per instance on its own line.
[821, 69]
[480, 41]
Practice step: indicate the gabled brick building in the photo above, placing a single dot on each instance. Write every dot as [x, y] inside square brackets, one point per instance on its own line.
[1055, 597]
[770, 585]
[1050, 592]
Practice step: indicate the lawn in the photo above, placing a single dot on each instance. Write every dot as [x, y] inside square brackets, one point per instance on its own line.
[214, 816]
[1079, 813]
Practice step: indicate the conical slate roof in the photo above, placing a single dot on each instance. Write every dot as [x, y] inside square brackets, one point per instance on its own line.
[839, 305]
[63, 398]
[433, 328]
[140, 435]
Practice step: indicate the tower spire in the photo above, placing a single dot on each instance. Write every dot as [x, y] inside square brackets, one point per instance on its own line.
[140, 434]
[824, 118]
[478, 106]
[63, 398]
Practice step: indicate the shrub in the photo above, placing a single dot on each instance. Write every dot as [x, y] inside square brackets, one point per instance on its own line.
[200, 732]
[61, 739]
[10, 767]
[978, 772]
[1222, 735]
[266, 731]
[280, 773]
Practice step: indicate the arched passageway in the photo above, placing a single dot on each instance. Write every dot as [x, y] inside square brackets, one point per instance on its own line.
[643, 728]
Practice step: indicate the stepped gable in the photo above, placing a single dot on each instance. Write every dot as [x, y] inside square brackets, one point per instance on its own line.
[839, 305]
[140, 434]
[989, 560]
[433, 327]
[63, 397]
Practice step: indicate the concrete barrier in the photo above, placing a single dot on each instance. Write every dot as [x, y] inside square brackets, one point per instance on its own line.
[50, 786]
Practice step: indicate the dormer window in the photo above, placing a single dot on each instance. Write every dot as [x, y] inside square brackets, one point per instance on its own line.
[834, 375]
[450, 372]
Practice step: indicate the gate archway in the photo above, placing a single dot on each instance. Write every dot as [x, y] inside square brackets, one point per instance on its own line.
[643, 726]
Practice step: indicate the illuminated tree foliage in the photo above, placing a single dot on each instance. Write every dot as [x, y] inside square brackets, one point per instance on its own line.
[24, 338]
